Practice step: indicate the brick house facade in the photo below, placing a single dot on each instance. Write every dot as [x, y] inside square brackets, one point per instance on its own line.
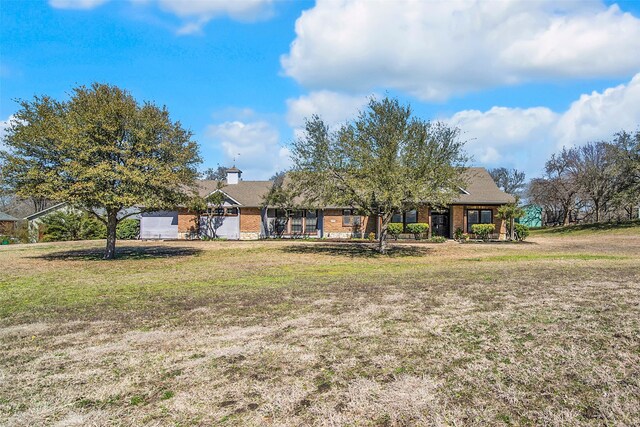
[245, 217]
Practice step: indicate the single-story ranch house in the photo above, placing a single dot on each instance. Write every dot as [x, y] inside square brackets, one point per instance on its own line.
[243, 215]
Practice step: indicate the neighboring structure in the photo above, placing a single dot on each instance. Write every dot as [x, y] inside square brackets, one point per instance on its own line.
[34, 221]
[7, 223]
[243, 215]
[532, 216]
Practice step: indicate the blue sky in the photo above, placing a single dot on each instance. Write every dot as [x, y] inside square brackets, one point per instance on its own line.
[521, 79]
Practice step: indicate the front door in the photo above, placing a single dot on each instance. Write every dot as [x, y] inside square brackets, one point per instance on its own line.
[440, 224]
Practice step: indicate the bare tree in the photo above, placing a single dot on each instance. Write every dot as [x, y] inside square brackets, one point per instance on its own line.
[218, 174]
[511, 181]
[557, 191]
[592, 167]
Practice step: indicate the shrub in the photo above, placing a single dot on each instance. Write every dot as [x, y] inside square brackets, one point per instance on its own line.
[394, 229]
[483, 230]
[371, 236]
[128, 229]
[438, 239]
[458, 234]
[522, 231]
[417, 229]
[71, 225]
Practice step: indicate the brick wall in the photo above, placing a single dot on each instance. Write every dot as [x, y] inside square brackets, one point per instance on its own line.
[460, 218]
[424, 216]
[186, 221]
[250, 220]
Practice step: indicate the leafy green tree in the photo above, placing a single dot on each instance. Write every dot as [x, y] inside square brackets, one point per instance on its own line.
[100, 151]
[214, 200]
[385, 161]
[627, 169]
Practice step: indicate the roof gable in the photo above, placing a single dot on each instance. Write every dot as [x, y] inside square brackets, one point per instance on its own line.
[480, 188]
[245, 193]
[7, 217]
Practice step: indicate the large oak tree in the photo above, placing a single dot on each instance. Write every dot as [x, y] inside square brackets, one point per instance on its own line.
[101, 151]
[385, 161]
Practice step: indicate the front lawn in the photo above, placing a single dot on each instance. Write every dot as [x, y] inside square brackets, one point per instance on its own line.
[315, 333]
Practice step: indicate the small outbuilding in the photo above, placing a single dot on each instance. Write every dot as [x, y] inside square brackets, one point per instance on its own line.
[7, 223]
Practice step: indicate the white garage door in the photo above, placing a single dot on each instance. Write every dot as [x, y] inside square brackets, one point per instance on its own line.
[227, 227]
[159, 225]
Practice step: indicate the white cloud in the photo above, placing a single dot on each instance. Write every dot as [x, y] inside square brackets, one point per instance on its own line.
[4, 125]
[599, 115]
[433, 50]
[195, 13]
[255, 146]
[525, 138]
[334, 108]
[494, 134]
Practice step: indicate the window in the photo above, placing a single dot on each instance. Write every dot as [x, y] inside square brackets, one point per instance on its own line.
[411, 217]
[408, 217]
[296, 225]
[231, 211]
[312, 221]
[296, 221]
[350, 218]
[478, 216]
[277, 221]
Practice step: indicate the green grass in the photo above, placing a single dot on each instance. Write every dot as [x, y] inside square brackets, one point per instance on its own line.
[625, 227]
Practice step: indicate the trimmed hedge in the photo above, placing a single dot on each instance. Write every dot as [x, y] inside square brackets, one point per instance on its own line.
[483, 230]
[395, 229]
[418, 229]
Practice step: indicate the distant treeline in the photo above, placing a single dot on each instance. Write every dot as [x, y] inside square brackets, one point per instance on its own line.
[599, 181]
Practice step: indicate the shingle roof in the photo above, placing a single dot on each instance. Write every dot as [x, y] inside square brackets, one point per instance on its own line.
[246, 193]
[7, 217]
[482, 189]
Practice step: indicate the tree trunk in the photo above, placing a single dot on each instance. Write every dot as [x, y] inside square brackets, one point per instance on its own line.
[512, 230]
[112, 223]
[565, 220]
[597, 206]
[382, 238]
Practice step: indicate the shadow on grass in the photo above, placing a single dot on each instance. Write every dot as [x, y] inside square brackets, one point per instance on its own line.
[357, 250]
[122, 253]
[601, 226]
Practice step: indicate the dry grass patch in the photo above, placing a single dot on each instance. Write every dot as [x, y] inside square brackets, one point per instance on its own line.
[295, 333]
